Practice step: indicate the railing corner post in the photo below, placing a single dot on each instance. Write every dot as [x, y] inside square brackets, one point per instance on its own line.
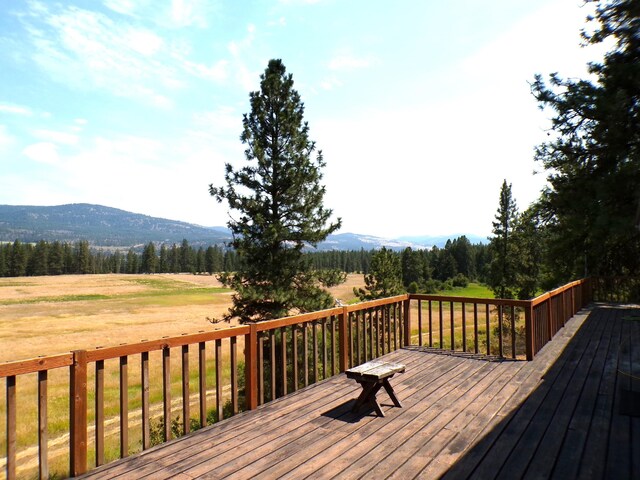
[343, 322]
[251, 366]
[78, 413]
[529, 331]
[407, 321]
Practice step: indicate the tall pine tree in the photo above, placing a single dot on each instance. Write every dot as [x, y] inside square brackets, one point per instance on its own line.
[502, 276]
[592, 204]
[279, 201]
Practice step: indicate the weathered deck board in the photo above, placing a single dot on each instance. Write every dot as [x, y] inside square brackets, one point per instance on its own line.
[462, 417]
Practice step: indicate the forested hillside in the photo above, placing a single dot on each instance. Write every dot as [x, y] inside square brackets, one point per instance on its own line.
[430, 270]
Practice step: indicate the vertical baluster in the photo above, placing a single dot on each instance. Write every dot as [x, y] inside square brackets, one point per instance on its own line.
[378, 337]
[324, 348]
[305, 352]
[452, 322]
[261, 370]
[144, 378]
[202, 382]
[272, 342]
[464, 327]
[43, 436]
[186, 410]
[350, 323]
[488, 321]
[366, 336]
[124, 407]
[475, 326]
[314, 334]
[513, 331]
[397, 325]
[441, 324]
[358, 355]
[99, 412]
[500, 345]
[233, 347]
[420, 322]
[219, 400]
[373, 334]
[294, 354]
[283, 358]
[166, 391]
[382, 330]
[333, 345]
[430, 326]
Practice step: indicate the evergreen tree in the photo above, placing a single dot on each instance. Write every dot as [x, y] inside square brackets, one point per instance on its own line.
[412, 267]
[82, 257]
[38, 264]
[3, 261]
[186, 257]
[149, 261]
[503, 267]
[174, 259]
[384, 278]
[55, 259]
[529, 251]
[132, 262]
[279, 199]
[592, 204]
[163, 264]
[17, 259]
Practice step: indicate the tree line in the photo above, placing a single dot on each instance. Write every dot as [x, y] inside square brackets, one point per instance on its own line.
[19, 259]
[427, 269]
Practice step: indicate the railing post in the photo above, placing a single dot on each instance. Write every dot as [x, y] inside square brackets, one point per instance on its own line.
[529, 331]
[343, 323]
[407, 321]
[11, 427]
[251, 366]
[78, 413]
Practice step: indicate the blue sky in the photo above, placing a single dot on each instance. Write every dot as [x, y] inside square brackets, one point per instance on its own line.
[421, 108]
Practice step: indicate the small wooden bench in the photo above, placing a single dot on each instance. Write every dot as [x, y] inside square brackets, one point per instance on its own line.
[372, 376]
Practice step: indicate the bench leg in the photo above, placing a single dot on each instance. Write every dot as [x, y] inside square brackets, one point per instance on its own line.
[387, 386]
[368, 395]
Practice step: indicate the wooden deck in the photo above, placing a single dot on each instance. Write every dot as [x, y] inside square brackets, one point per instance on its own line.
[463, 416]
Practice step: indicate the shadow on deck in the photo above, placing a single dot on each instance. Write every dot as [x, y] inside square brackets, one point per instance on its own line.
[462, 416]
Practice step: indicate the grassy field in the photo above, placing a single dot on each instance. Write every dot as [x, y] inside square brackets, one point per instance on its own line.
[473, 290]
[47, 315]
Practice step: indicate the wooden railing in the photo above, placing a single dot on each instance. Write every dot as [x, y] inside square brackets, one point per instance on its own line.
[116, 392]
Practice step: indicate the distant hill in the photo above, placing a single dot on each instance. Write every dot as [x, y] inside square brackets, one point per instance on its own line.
[112, 227]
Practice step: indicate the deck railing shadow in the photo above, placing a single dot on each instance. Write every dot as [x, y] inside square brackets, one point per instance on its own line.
[125, 398]
[571, 425]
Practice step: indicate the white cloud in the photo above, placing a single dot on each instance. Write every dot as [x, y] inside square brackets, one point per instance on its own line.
[6, 140]
[63, 138]
[89, 50]
[349, 62]
[42, 152]
[143, 41]
[15, 109]
[126, 7]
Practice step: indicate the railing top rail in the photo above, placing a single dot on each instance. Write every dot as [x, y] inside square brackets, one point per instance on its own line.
[105, 353]
[557, 291]
[486, 301]
[33, 365]
[297, 319]
[377, 303]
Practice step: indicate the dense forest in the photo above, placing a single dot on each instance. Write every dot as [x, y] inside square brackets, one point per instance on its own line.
[457, 261]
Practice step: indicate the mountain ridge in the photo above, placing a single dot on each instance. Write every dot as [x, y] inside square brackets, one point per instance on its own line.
[112, 227]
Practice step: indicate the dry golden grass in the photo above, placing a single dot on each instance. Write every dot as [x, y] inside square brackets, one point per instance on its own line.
[46, 315]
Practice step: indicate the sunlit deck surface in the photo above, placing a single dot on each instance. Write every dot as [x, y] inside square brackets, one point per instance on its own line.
[463, 417]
